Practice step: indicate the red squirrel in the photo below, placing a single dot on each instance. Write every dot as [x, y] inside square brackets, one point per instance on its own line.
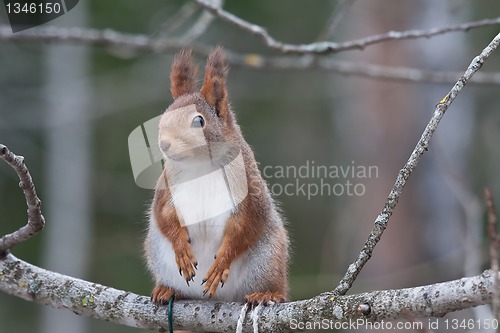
[238, 252]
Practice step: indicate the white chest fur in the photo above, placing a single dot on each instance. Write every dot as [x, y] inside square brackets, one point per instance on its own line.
[203, 205]
[206, 198]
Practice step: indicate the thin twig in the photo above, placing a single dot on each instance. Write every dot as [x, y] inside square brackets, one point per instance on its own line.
[107, 38]
[471, 205]
[472, 208]
[492, 229]
[422, 146]
[494, 243]
[142, 43]
[333, 21]
[365, 70]
[200, 26]
[332, 47]
[177, 19]
[36, 221]
[408, 74]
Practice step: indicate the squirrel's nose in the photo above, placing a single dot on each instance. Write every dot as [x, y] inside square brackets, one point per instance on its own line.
[164, 145]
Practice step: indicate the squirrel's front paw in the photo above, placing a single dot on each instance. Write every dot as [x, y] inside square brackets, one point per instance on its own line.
[185, 260]
[218, 273]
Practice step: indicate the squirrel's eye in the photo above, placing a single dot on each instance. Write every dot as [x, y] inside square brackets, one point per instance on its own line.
[198, 121]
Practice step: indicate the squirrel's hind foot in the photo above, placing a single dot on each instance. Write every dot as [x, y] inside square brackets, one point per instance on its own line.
[267, 298]
[162, 294]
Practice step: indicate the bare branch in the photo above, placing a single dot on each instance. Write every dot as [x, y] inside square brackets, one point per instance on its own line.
[142, 43]
[335, 18]
[492, 229]
[494, 243]
[178, 19]
[201, 25]
[357, 69]
[38, 285]
[94, 300]
[402, 73]
[422, 145]
[36, 221]
[107, 38]
[332, 47]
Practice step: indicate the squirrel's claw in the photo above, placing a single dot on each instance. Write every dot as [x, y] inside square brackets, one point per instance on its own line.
[185, 261]
[161, 294]
[267, 298]
[218, 273]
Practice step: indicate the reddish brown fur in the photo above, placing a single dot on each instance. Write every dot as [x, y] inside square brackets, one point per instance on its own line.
[265, 298]
[184, 75]
[214, 84]
[171, 228]
[243, 229]
[162, 294]
[245, 226]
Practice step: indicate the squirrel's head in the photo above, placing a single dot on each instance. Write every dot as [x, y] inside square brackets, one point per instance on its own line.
[199, 125]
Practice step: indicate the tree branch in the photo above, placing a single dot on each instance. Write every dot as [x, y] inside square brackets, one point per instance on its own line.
[492, 229]
[350, 68]
[332, 47]
[59, 291]
[422, 145]
[178, 19]
[107, 38]
[119, 42]
[36, 221]
[333, 21]
[494, 243]
[201, 25]
[41, 286]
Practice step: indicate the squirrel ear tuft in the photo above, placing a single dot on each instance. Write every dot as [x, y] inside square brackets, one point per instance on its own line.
[184, 74]
[214, 84]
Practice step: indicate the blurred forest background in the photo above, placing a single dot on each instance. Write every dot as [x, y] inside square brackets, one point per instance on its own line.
[69, 110]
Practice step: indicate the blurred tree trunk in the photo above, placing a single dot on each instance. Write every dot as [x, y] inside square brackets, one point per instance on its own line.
[447, 177]
[378, 127]
[67, 238]
[382, 127]
[455, 211]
